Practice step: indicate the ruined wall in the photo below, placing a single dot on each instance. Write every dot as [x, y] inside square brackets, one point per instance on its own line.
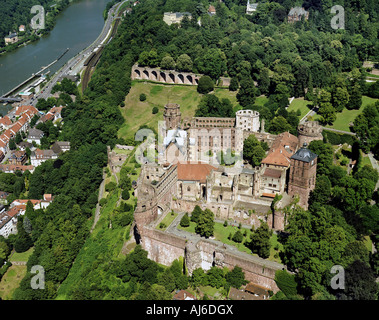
[207, 253]
[162, 247]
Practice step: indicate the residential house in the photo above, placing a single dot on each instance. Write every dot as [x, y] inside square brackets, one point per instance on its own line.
[11, 38]
[53, 114]
[39, 156]
[35, 135]
[8, 219]
[175, 17]
[12, 168]
[212, 10]
[251, 7]
[60, 146]
[18, 157]
[296, 14]
[5, 123]
[23, 145]
[183, 295]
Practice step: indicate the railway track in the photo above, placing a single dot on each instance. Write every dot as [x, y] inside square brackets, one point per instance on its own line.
[94, 58]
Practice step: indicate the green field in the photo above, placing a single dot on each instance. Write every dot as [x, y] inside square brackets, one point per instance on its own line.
[300, 104]
[137, 113]
[346, 117]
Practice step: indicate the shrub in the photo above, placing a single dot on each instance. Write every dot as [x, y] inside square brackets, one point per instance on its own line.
[205, 85]
[155, 110]
[110, 186]
[185, 221]
[142, 97]
[125, 194]
[103, 202]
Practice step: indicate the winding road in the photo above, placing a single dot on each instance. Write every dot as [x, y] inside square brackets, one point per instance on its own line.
[80, 57]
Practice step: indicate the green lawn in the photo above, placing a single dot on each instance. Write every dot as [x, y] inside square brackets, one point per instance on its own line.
[167, 220]
[23, 256]
[137, 113]
[300, 104]
[11, 281]
[346, 117]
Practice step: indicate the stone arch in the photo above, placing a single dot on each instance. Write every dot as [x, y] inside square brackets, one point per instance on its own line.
[196, 81]
[163, 77]
[180, 78]
[137, 73]
[160, 209]
[145, 74]
[154, 75]
[171, 78]
[189, 79]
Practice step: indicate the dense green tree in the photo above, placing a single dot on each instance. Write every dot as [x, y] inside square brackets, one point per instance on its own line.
[253, 151]
[260, 241]
[185, 221]
[205, 224]
[205, 85]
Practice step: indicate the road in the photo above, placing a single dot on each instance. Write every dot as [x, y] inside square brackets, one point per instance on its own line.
[80, 57]
[375, 165]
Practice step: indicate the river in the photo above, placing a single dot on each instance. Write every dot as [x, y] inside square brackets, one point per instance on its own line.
[76, 28]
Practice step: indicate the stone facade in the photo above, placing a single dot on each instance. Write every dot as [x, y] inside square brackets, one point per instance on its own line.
[164, 76]
[302, 177]
[309, 131]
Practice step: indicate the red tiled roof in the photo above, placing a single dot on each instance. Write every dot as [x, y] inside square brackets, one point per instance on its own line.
[194, 171]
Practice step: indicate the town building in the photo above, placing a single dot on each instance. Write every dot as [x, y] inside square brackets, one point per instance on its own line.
[302, 177]
[11, 38]
[212, 10]
[251, 7]
[39, 156]
[60, 146]
[175, 17]
[35, 135]
[297, 13]
[8, 219]
[18, 157]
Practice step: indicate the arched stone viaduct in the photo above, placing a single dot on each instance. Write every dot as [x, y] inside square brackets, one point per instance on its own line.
[164, 76]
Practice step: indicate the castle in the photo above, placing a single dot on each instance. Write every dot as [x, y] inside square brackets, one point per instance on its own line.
[240, 193]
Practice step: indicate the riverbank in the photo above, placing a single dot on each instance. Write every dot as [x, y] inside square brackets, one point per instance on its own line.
[30, 36]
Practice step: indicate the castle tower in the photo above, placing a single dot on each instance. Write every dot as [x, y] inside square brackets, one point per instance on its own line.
[302, 177]
[172, 115]
[309, 131]
[247, 120]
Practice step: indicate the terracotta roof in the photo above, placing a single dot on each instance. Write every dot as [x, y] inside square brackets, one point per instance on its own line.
[269, 195]
[277, 158]
[15, 210]
[6, 121]
[194, 171]
[283, 147]
[184, 295]
[15, 167]
[21, 109]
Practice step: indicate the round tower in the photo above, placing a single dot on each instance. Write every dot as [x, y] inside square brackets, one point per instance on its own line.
[309, 131]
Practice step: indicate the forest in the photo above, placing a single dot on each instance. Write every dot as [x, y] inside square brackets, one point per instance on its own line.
[305, 59]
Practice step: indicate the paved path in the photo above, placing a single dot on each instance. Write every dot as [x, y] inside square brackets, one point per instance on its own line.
[97, 212]
[340, 131]
[79, 58]
[375, 165]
